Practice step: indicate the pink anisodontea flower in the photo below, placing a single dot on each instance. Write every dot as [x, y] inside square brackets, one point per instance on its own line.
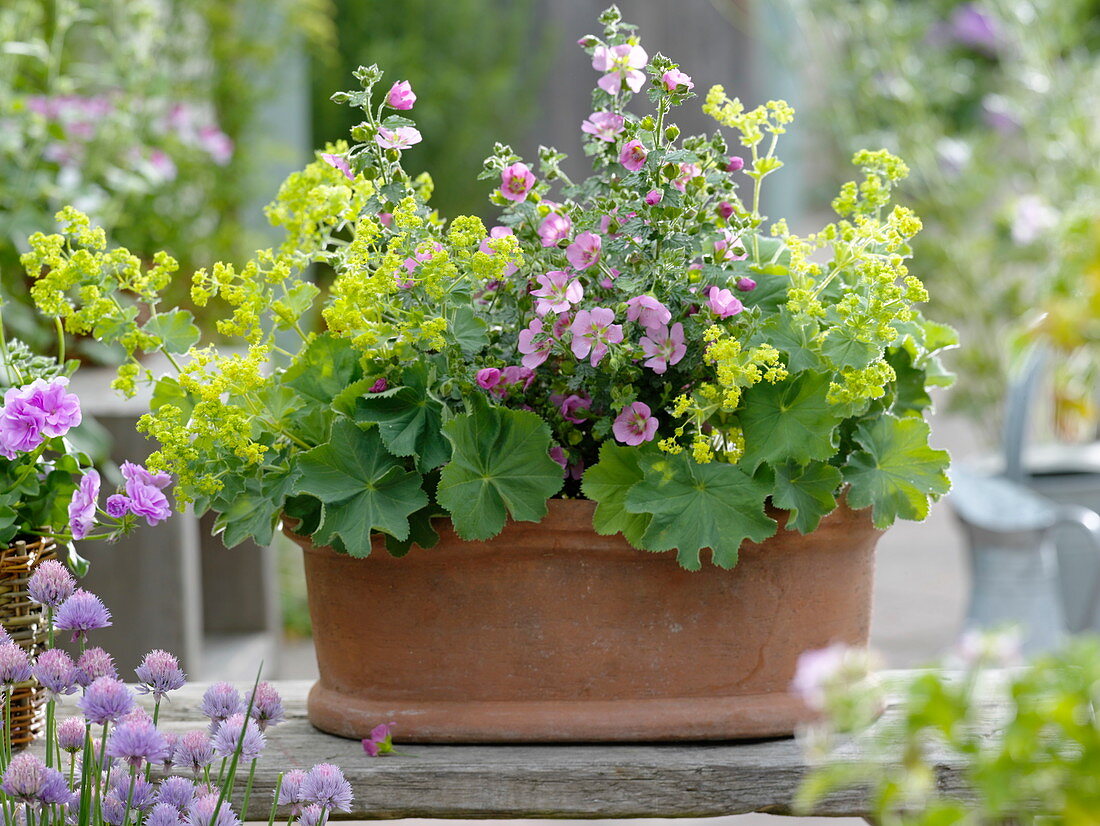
[662, 347]
[571, 405]
[487, 378]
[584, 251]
[635, 424]
[593, 330]
[723, 303]
[401, 96]
[380, 741]
[557, 292]
[633, 155]
[621, 64]
[516, 181]
[400, 138]
[687, 172]
[338, 162]
[647, 311]
[654, 196]
[674, 78]
[534, 344]
[604, 125]
[723, 247]
[554, 229]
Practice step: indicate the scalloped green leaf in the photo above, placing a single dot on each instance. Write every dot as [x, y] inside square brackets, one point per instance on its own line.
[607, 483]
[176, 329]
[409, 420]
[897, 471]
[500, 467]
[694, 506]
[364, 488]
[790, 421]
[807, 492]
[324, 368]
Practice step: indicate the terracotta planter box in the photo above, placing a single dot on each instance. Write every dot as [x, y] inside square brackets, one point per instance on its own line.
[550, 632]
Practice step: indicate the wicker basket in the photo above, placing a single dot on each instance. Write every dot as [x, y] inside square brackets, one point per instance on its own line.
[25, 621]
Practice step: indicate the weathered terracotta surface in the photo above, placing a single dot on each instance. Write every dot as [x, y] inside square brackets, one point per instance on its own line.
[551, 632]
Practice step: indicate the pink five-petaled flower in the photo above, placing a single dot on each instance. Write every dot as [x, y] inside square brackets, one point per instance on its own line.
[380, 740]
[654, 196]
[557, 292]
[723, 247]
[584, 251]
[620, 63]
[400, 96]
[338, 162]
[592, 331]
[535, 351]
[663, 348]
[723, 303]
[400, 138]
[494, 234]
[487, 378]
[604, 125]
[554, 229]
[674, 78]
[633, 155]
[647, 311]
[687, 172]
[635, 424]
[516, 181]
[83, 504]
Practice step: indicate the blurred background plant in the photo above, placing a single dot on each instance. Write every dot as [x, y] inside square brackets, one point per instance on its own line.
[137, 111]
[994, 106]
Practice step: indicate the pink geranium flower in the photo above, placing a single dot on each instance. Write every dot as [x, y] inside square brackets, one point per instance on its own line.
[604, 125]
[647, 311]
[516, 181]
[554, 229]
[621, 64]
[533, 344]
[723, 303]
[592, 331]
[401, 96]
[633, 156]
[556, 292]
[338, 162]
[662, 347]
[674, 78]
[400, 138]
[584, 251]
[687, 172]
[635, 425]
[498, 232]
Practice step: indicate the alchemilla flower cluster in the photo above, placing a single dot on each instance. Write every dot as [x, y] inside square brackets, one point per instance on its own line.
[114, 764]
[643, 337]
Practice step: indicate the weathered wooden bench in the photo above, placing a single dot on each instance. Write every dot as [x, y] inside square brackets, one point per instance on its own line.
[543, 781]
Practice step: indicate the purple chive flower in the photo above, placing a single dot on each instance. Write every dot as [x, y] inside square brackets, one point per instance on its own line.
[401, 96]
[70, 734]
[56, 672]
[267, 706]
[82, 505]
[5, 637]
[93, 664]
[163, 814]
[584, 251]
[290, 791]
[106, 700]
[311, 815]
[177, 792]
[338, 162]
[325, 785]
[381, 739]
[136, 741]
[202, 811]
[228, 736]
[220, 702]
[159, 673]
[55, 790]
[194, 751]
[81, 613]
[50, 584]
[15, 664]
[24, 778]
[114, 809]
[117, 506]
[144, 791]
[604, 125]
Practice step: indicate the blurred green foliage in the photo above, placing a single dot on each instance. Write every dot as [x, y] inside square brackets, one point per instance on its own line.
[474, 65]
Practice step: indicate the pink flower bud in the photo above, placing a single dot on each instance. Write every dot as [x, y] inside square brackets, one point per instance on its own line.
[654, 196]
[735, 164]
[401, 96]
[725, 209]
[746, 285]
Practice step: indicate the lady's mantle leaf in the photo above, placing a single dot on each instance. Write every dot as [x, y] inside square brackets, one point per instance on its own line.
[176, 329]
[607, 484]
[809, 493]
[324, 368]
[500, 466]
[409, 421]
[789, 421]
[896, 470]
[695, 506]
[363, 488]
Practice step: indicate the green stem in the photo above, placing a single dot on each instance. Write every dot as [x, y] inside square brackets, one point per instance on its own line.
[248, 788]
[129, 796]
[60, 340]
[100, 780]
[274, 802]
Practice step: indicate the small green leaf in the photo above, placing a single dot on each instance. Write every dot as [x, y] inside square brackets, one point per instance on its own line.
[297, 300]
[607, 483]
[176, 329]
[844, 349]
[896, 471]
[500, 467]
[363, 488]
[789, 422]
[421, 532]
[695, 506]
[809, 493]
[324, 368]
[468, 330]
[168, 391]
[409, 420]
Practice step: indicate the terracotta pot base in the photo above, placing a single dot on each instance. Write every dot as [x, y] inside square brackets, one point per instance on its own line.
[550, 632]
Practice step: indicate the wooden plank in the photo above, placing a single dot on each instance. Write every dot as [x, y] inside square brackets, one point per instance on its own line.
[543, 781]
